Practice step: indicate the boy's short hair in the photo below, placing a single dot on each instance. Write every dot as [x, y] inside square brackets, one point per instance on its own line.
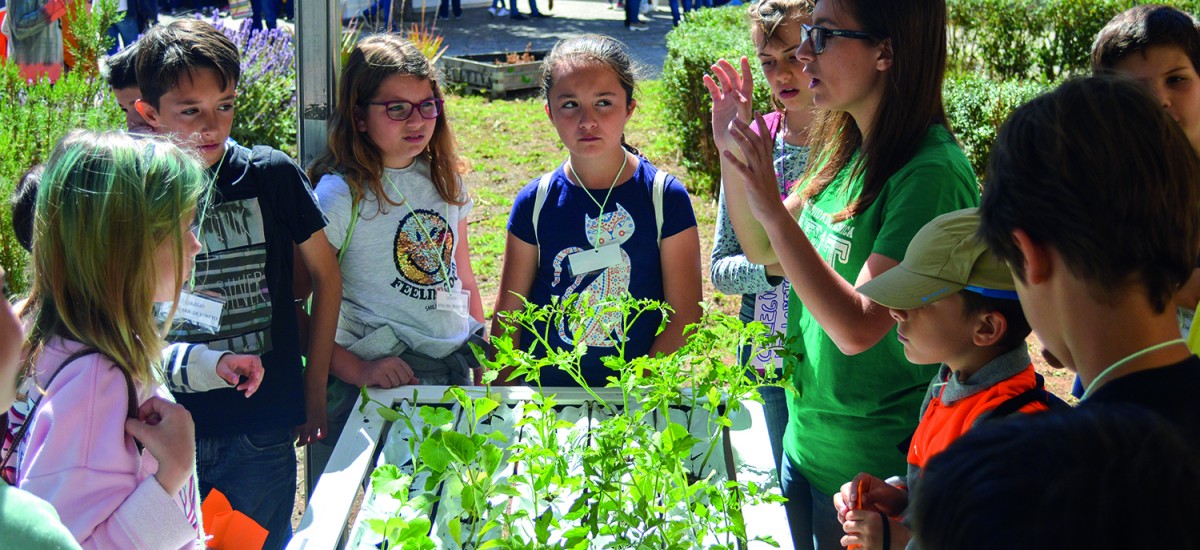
[1093, 477]
[119, 69]
[1141, 27]
[1098, 171]
[24, 200]
[168, 53]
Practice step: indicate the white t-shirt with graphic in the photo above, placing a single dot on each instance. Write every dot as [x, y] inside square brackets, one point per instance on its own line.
[398, 258]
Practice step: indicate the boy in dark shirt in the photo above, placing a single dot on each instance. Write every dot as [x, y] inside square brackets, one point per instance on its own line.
[262, 210]
[1093, 200]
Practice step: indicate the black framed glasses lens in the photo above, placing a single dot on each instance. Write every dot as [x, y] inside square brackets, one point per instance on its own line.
[816, 35]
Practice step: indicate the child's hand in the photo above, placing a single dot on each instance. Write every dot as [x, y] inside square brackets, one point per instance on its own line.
[867, 492]
[232, 367]
[864, 529]
[733, 96]
[317, 426]
[388, 372]
[167, 431]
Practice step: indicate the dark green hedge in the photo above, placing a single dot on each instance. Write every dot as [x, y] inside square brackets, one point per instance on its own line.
[1046, 39]
[976, 107]
[704, 37]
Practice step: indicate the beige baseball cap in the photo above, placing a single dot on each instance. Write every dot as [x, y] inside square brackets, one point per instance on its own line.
[943, 258]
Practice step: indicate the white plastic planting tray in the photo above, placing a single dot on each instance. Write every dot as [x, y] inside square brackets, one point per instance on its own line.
[368, 441]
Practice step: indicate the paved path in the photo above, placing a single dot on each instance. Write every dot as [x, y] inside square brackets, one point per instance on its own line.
[479, 32]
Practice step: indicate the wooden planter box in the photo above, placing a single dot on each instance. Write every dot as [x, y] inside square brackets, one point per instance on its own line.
[480, 72]
[368, 441]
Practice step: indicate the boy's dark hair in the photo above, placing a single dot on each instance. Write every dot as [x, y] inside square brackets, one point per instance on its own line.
[1104, 477]
[168, 53]
[24, 199]
[1017, 326]
[1098, 171]
[1141, 27]
[119, 69]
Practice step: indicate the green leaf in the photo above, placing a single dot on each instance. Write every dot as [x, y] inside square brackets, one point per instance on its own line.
[483, 406]
[436, 416]
[434, 454]
[388, 414]
[454, 525]
[459, 446]
[418, 527]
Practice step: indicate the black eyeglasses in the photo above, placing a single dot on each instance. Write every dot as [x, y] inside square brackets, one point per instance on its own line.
[401, 110]
[819, 34]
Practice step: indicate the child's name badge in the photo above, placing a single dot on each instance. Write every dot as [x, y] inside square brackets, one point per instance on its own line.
[595, 259]
[457, 301]
[201, 310]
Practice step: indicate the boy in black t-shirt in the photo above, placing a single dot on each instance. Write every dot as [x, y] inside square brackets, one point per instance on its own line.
[261, 211]
[1093, 199]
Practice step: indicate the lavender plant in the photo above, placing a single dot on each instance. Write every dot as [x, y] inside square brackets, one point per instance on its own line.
[266, 93]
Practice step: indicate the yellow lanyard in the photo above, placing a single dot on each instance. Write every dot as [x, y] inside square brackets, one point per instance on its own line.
[1146, 351]
[424, 231]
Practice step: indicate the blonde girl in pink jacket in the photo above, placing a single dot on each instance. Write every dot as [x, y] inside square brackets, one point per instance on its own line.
[98, 434]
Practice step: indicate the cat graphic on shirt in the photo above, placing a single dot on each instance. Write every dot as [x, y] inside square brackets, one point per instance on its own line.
[610, 229]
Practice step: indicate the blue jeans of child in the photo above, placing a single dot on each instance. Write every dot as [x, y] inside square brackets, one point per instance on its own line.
[675, 13]
[445, 8]
[257, 472]
[811, 515]
[263, 10]
[126, 29]
[631, 11]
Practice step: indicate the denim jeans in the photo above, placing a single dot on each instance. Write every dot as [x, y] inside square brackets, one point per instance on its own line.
[631, 11]
[445, 8]
[257, 472]
[126, 29]
[775, 409]
[675, 13]
[263, 10]
[811, 515]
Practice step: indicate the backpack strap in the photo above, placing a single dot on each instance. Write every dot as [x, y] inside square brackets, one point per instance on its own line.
[21, 432]
[539, 201]
[349, 230]
[660, 185]
[1037, 394]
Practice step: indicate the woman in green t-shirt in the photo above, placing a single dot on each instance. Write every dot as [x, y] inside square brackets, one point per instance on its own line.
[885, 164]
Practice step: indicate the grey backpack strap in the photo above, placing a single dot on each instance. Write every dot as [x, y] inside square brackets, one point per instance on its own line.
[660, 184]
[538, 202]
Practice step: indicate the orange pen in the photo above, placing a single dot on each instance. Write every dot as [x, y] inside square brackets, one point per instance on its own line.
[857, 506]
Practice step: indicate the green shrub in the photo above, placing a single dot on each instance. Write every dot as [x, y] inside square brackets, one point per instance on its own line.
[32, 119]
[1047, 39]
[976, 107]
[704, 37]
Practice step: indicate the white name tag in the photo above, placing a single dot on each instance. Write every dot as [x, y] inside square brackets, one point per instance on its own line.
[582, 263]
[201, 310]
[458, 301]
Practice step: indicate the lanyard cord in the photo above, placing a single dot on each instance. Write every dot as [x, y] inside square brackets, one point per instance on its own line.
[203, 214]
[1091, 387]
[579, 181]
[424, 231]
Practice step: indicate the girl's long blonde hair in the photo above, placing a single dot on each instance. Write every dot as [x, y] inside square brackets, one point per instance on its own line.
[352, 154]
[104, 205]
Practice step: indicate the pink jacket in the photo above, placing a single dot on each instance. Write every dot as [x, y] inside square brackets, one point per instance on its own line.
[77, 456]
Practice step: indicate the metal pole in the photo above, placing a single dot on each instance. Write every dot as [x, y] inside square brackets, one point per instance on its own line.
[318, 59]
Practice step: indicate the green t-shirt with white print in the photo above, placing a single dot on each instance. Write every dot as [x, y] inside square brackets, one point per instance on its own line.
[850, 413]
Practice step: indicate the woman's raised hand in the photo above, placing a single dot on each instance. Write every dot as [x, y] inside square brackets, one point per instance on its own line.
[733, 95]
[752, 158]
